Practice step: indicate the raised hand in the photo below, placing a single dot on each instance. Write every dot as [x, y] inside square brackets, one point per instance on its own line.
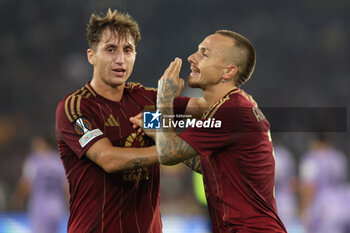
[170, 84]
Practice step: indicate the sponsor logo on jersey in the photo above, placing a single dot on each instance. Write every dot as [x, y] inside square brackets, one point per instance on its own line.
[111, 121]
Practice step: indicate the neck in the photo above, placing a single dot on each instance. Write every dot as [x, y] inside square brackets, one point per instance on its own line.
[107, 91]
[214, 93]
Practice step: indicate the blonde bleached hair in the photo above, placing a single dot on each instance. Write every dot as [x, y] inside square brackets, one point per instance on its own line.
[244, 56]
[118, 23]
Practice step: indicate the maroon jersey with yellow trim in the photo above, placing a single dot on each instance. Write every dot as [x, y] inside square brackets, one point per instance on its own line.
[125, 201]
[238, 166]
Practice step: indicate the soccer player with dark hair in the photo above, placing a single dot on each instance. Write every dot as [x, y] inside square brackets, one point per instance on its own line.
[236, 159]
[114, 186]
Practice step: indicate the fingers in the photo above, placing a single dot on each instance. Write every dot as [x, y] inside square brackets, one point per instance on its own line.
[136, 121]
[249, 98]
[174, 67]
[139, 116]
[182, 83]
[177, 66]
[169, 70]
[181, 86]
[166, 72]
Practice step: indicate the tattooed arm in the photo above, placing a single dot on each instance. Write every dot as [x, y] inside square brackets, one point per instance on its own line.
[113, 159]
[194, 164]
[171, 149]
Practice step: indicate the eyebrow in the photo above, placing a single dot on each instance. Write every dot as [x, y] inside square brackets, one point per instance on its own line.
[110, 45]
[115, 46]
[203, 49]
[129, 45]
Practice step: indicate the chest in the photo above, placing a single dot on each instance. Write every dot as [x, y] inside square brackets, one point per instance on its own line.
[112, 118]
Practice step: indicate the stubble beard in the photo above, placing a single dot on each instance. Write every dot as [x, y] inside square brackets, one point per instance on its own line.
[191, 83]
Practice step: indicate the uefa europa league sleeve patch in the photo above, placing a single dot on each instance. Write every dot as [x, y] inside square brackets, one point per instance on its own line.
[82, 125]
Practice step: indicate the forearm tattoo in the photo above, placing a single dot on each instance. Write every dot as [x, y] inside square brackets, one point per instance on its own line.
[166, 92]
[194, 163]
[135, 163]
[171, 149]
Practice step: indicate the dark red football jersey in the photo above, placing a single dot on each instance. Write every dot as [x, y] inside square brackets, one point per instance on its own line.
[238, 166]
[125, 201]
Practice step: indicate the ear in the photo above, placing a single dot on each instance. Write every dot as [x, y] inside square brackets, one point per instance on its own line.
[90, 56]
[229, 72]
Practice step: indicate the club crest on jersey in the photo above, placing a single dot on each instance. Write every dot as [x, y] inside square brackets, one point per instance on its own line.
[82, 126]
[135, 140]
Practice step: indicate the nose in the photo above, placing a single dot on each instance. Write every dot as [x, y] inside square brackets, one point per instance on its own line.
[119, 57]
[191, 58]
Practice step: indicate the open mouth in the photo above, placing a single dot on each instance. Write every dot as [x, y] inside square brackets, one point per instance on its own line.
[194, 70]
[119, 71]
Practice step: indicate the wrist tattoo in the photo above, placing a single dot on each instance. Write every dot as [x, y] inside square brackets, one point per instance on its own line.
[135, 163]
[167, 91]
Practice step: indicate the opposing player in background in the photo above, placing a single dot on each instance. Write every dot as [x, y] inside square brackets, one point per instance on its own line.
[236, 158]
[324, 193]
[286, 185]
[43, 181]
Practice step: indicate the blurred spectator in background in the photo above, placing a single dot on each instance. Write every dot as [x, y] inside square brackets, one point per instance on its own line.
[3, 195]
[324, 198]
[43, 183]
[177, 196]
[285, 183]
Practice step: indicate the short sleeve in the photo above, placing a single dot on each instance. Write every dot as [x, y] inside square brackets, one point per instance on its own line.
[76, 125]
